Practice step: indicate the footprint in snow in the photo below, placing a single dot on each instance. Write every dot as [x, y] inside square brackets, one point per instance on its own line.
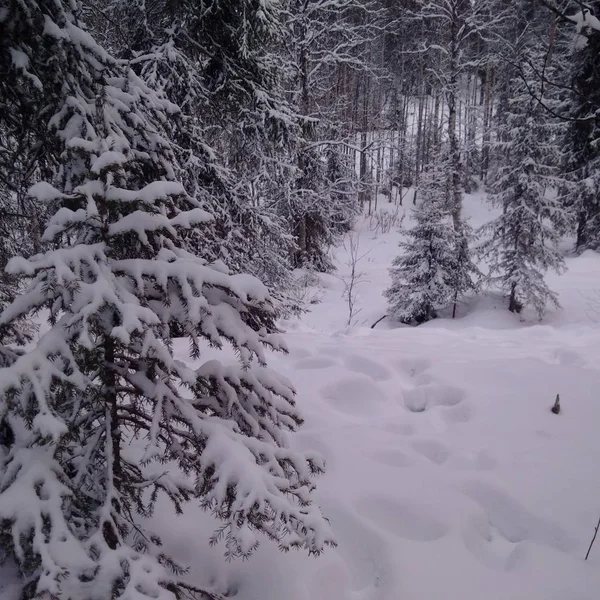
[433, 451]
[403, 518]
[424, 397]
[478, 461]
[513, 521]
[362, 549]
[460, 413]
[366, 366]
[400, 428]
[424, 379]
[413, 367]
[355, 396]
[567, 358]
[488, 546]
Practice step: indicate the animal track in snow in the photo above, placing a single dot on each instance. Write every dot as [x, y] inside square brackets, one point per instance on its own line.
[484, 461]
[424, 379]
[402, 518]
[413, 367]
[488, 546]
[400, 428]
[433, 451]
[361, 364]
[362, 549]
[355, 395]
[460, 413]
[513, 521]
[391, 458]
[328, 582]
[424, 397]
[315, 362]
[480, 461]
[568, 358]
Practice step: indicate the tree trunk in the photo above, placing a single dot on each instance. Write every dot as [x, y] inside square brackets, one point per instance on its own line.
[363, 184]
[452, 97]
[419, 139]
[303, 160]
[488, 111]
[513, 305]
[110, 397]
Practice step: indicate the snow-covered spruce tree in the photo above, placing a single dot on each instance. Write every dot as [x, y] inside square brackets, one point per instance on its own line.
[521, 242]
[13, 241]
[581, 145]
[13, 225]
[25, 151]
[434, 268]
[216, 64]
[103, 418]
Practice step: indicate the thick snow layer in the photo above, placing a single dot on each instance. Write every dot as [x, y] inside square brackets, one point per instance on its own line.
[448, 475]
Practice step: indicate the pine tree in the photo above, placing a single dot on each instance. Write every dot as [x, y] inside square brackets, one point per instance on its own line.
[428, 274]
[75, 495]
[522, 240]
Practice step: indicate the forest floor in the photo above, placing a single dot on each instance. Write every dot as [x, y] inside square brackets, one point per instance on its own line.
[448, 475]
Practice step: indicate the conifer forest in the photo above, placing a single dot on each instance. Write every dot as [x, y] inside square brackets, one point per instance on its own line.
[311, 283]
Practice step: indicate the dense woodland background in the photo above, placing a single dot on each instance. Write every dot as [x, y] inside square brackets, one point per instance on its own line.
[295, 116]
[156, 154]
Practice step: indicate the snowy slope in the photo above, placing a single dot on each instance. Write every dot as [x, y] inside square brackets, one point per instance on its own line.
[448, 476]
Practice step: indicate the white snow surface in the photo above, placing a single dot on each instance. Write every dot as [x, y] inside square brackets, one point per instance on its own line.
[448, 475]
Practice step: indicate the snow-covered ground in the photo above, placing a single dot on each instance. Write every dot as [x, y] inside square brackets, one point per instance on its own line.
[448, 475]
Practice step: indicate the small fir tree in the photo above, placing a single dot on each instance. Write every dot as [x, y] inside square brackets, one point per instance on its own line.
[424, 276]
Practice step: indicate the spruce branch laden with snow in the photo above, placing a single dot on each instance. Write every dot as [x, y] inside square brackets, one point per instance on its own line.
[105, 419]
[234, 127]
